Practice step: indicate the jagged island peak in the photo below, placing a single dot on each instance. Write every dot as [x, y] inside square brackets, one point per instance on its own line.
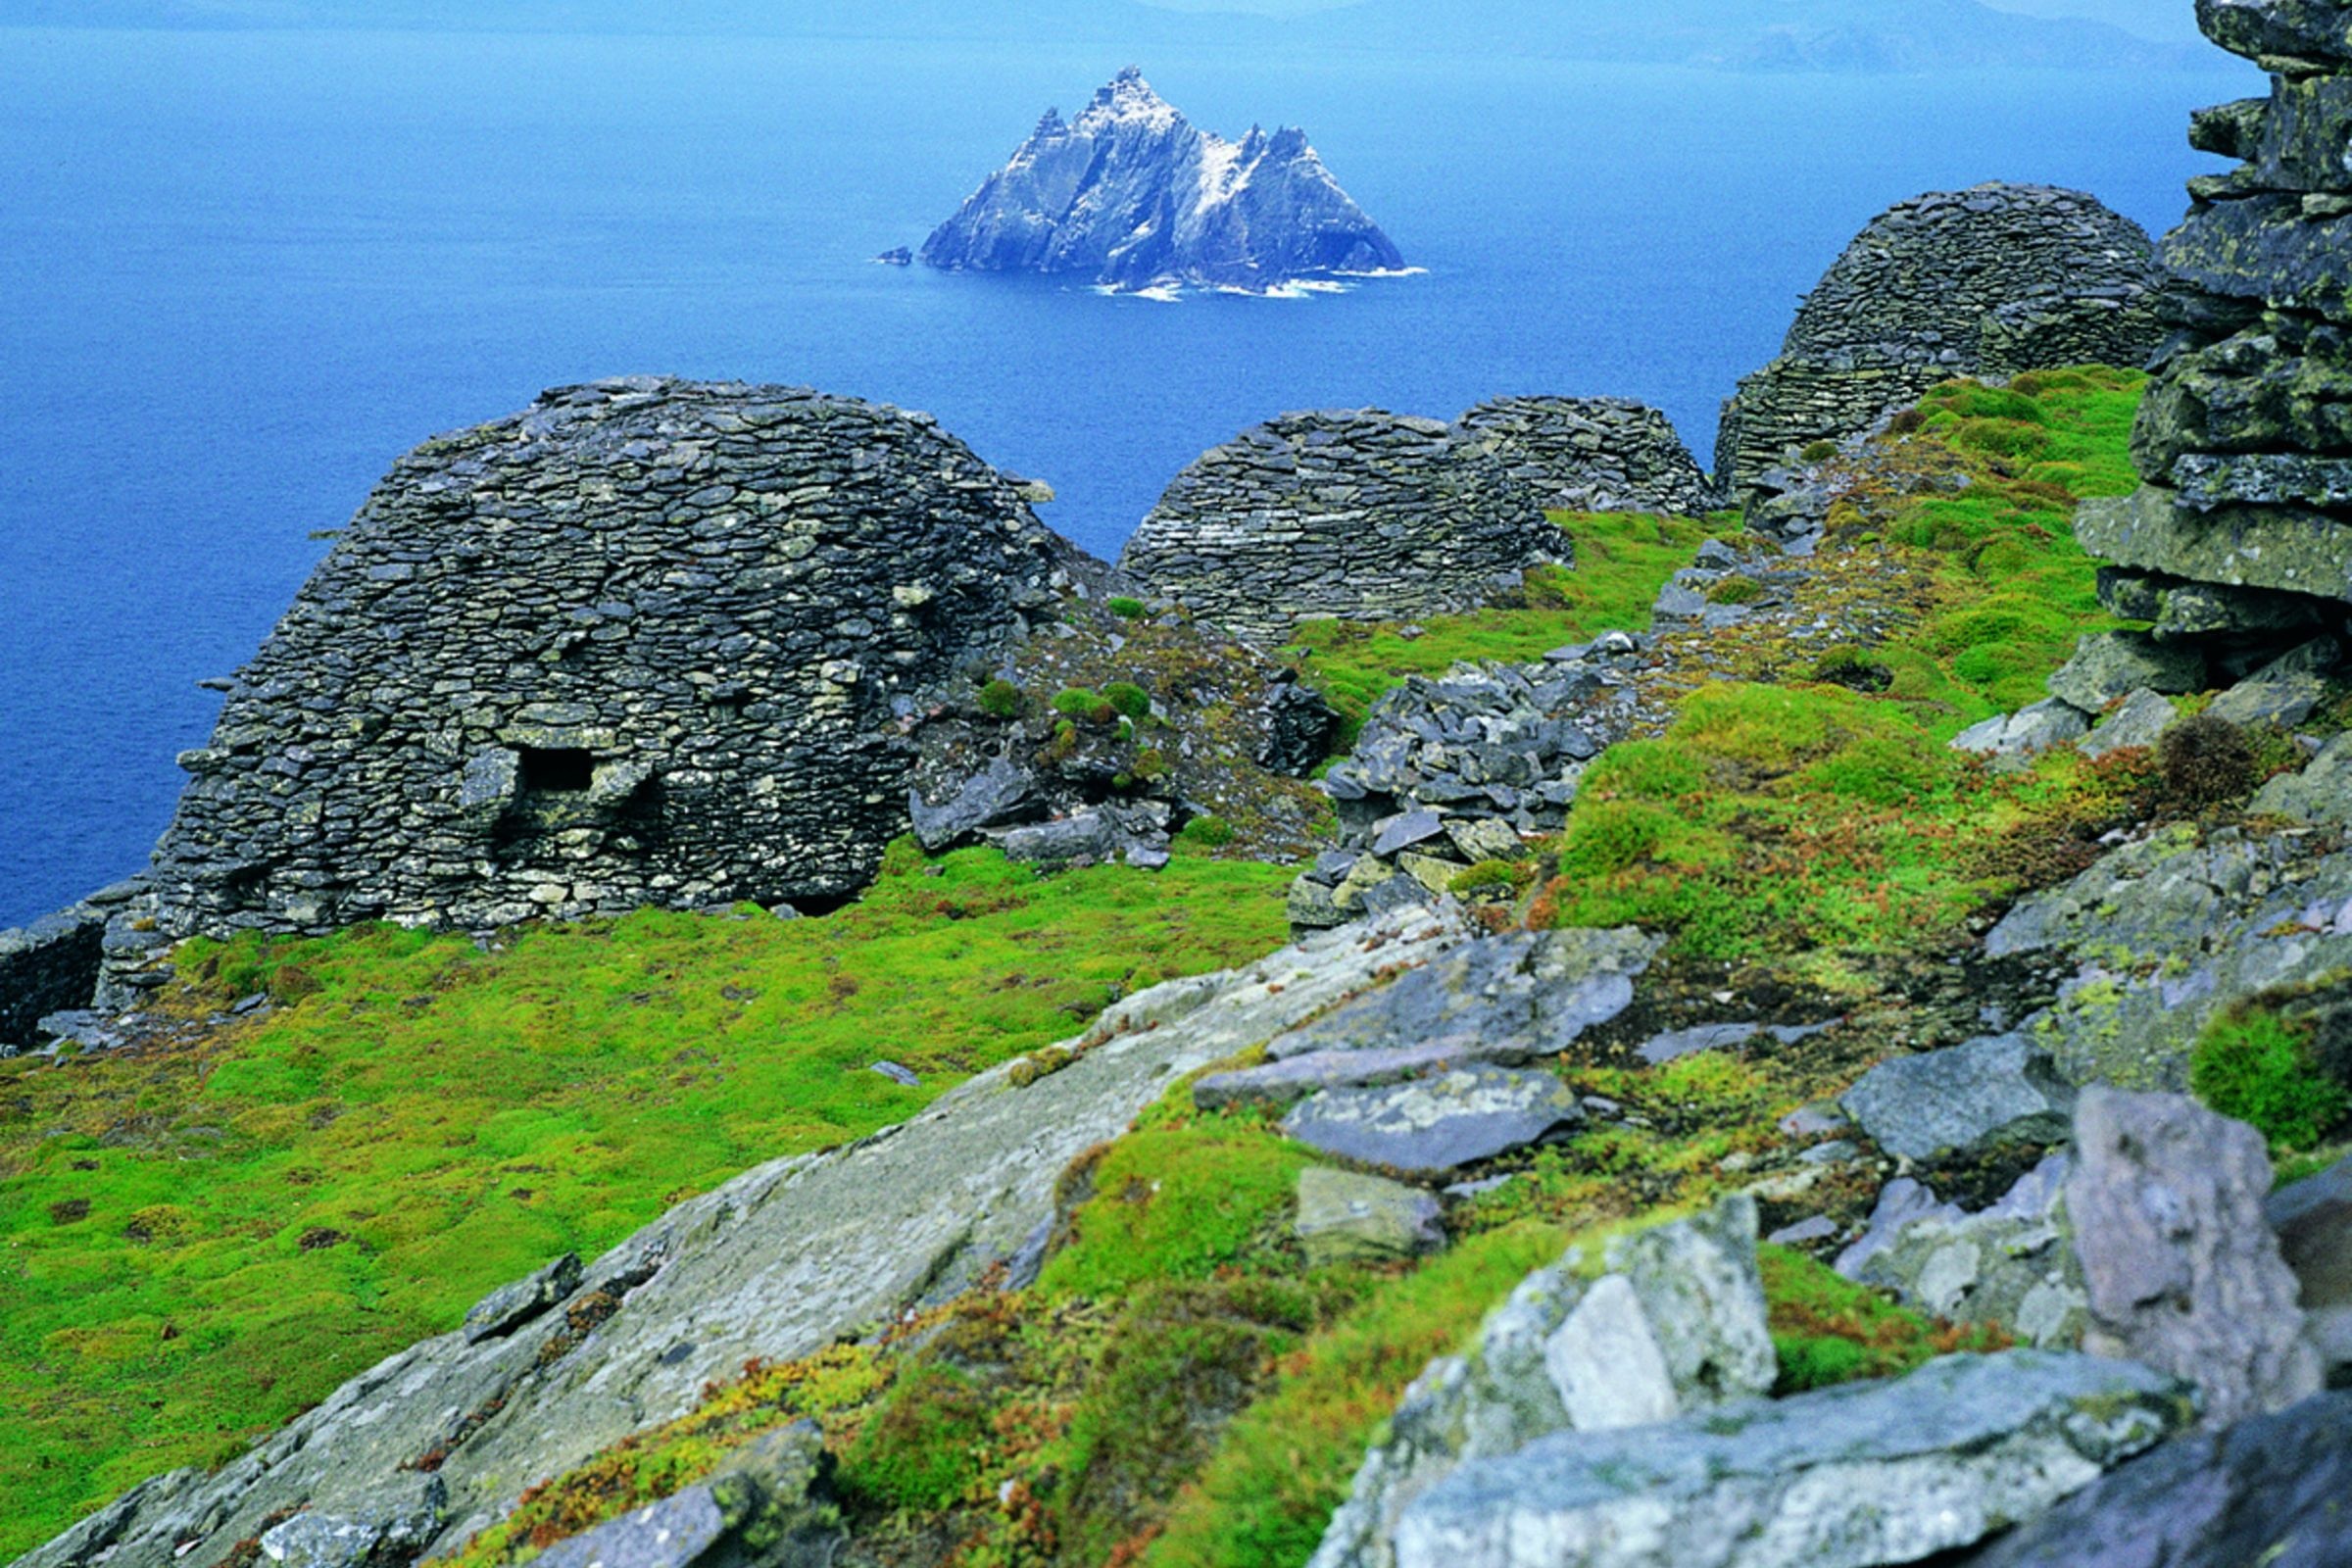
[1132, 196]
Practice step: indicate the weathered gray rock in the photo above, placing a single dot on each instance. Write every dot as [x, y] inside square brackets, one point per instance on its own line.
[402, 1521]
[1676, 1323]
[2168, 930]
[1852, 1477]
[1362, 514]
[1000, 795]
[1434, 1125]
[504, 1310]
[2286, 691]
[2268, 1492]
[1130, 194]
[2028, 732]
[2140, 719]
[644, 643]
[1997, 1090]
[2011, 1265]
[1102, 834]
[1348, 1218]
[1992, 281]
[2320, 793]
[2181, 1267]
[2314, 1222]
[761, 1506]
[775, 1264]
[2113, 664]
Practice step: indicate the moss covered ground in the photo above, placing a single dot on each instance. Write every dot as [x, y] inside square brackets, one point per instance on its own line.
[1792, 807]
[202, 1242]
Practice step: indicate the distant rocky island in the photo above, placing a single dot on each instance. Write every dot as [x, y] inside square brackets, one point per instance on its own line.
[1133, 196]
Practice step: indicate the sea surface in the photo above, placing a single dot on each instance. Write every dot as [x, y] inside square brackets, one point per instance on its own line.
[241, 273]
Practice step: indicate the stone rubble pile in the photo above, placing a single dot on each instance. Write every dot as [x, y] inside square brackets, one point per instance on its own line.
[2239, 547]
[1992, 281]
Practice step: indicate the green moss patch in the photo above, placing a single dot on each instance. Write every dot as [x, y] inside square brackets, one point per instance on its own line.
[418, 1122]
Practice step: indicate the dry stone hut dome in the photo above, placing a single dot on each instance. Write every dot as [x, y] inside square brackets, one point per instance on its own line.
[1595, 455]
[1993, 280]
[1363, 514]
[643, 644]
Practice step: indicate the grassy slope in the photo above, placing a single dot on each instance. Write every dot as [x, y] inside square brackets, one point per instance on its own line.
[422, 1122]
[1784, 813]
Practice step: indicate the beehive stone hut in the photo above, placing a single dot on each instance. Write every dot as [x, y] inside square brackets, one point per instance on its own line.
[1595, 455]
[2240, 544]
[643, 644]
[1993, 280]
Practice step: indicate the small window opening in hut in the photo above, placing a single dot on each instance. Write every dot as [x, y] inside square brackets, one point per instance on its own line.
[556, 770]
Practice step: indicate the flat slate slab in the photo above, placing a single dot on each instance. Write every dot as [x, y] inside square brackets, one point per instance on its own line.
[1998, 1089]
[1439, 1124]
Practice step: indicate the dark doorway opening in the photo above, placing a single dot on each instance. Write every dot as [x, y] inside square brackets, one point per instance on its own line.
[556, 770]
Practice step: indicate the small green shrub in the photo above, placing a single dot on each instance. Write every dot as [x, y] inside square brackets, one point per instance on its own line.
[1001, 699]
[2262, 1069]
[1494, 876]
[1819, 451]
[1127, 698]
[1084, 707]
[924, 1449]
[1206, 833]
[1128, 608]
[1736, 590]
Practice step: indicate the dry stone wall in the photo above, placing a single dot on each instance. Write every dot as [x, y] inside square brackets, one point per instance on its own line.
[1595, 455]
[1364, 515]
[49, 966]
[648, 642]
[1993, 280]
[2240, 544]
[1369, 516]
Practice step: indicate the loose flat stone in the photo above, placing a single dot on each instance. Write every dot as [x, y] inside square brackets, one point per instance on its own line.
[1348, 1218]
[1998, 1089]
[1439, 1124]
[507, 1310]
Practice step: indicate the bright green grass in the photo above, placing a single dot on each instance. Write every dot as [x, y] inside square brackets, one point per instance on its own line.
[459, 1117]
[1622, 560]
[1790, 816]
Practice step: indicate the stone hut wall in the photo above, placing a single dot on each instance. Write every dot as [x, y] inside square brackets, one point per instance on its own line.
[1993, 280]
[647, 643]
[1364, 515]
[2240, 544]
[49, 966]
[1595, 455]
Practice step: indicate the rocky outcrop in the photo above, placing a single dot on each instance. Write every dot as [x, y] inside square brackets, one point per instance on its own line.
[1992, 281]
[1131, 195]
[1673, 1320]
[1595, 455]
[776, 1264]
[2182, 1269]
[1364, 515]
[2240, 544]
[2268, 1492]
[2011, 1263]
[1868, 1474]
[644, 643]
[2165, 932]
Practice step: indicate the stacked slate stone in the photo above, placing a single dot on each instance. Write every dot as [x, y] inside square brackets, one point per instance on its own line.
[1994, 280]
[2239, 547]
[1451, 772]
[645, 643]
[1364, 515]
[1595, 455]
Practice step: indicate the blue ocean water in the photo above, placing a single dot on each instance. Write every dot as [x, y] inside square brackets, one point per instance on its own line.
[240, 272]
